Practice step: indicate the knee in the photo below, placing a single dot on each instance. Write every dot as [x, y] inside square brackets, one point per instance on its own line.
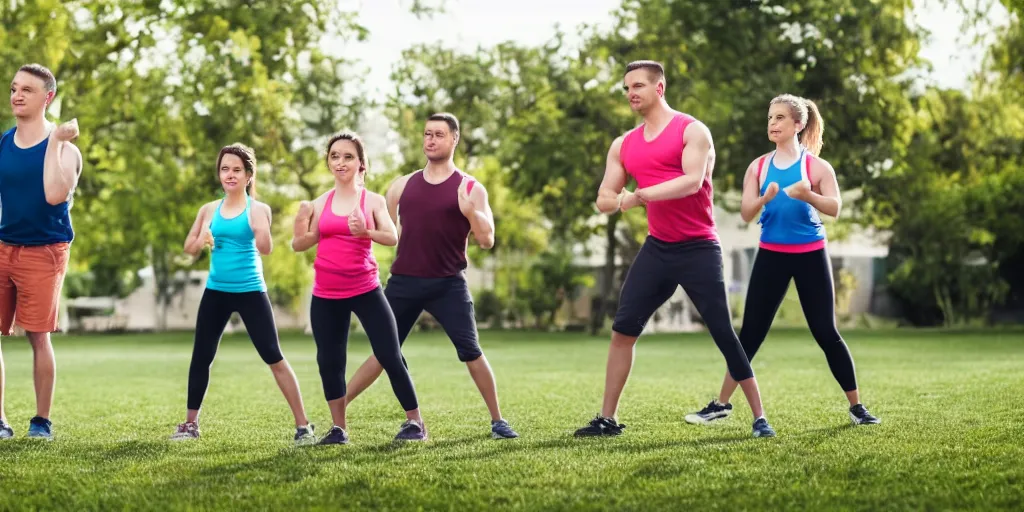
[279, 366]
[39, 339]
[624, 339]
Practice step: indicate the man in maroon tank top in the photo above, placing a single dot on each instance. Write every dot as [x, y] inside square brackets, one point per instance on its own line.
[435, 209]
[671, 156]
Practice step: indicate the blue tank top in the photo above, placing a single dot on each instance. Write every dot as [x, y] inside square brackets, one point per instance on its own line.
[235, 264]
[785, 220]
[25, 216]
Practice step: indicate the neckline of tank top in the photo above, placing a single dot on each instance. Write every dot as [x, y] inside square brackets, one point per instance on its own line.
[330, 202]
[423, 174]
[643, 128]
[13, 132]
[248, 200]
[771, 160]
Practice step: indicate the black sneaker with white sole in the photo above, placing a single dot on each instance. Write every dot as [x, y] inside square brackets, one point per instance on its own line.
[600, 426]
[714, 411]
[859, 415]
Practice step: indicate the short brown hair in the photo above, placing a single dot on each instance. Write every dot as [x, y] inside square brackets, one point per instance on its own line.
[453, 122]
[656, 70]
[41, 72]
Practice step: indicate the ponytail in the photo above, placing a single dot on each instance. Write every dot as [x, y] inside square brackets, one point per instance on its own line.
[251, 187]
[811, 135]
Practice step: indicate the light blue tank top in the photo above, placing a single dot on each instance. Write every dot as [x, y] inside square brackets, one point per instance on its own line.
[785, 220]
[235, 264]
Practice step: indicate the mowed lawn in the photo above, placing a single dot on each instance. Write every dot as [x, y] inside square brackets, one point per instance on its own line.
[951, 403]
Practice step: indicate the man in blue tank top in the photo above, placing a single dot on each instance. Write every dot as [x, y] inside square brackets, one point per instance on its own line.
[39, 169]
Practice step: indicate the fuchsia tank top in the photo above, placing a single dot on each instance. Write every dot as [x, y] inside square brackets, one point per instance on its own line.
[658, 161]
[344, 265]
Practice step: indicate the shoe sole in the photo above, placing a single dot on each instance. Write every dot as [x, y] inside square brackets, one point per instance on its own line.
[759, 435]
[42, 438]
[305, 442]
[856, 421]
[495, 435]
[694, 419]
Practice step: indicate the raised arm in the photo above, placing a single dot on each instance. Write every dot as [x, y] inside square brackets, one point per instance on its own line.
[199, 236]
[609, 194]
[62, 163]
[384, 231]
[477, 208]
[753, 201]
[391, 197]
[698, 158]
[823, 177]
[306, 231]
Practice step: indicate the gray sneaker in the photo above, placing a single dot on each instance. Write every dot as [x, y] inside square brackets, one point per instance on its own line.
[304, 435]
[6, 432]
[411, 430]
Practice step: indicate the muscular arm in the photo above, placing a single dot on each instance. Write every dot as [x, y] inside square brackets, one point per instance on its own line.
[828, 201]
[62, 165]
[697, 158]
[481, 222]
[614, 180]
[385, 232]
[194, 241]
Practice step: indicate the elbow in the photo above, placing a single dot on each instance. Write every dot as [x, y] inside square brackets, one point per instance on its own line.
[747, 216]
[54, 199]
[296, 246]
[485, 241]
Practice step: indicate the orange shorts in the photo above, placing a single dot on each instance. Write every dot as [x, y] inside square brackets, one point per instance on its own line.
[30, 282]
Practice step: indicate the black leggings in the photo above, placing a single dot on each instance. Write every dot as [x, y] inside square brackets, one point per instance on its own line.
[215, 310]
[769, 282]
[331, 319]
[696, 265]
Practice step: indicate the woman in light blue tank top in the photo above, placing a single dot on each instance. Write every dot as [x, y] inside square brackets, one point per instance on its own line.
[236, 229]
[789, 186]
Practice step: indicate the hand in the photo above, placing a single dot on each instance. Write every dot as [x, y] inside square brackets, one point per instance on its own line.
[357, 223]
[67, 131]
[206, 237]
[305, 211]
[631, 200]
[466, 204]
[800, 190]
[770, 193]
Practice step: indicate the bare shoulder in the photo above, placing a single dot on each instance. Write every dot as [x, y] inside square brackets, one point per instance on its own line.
[375, 200]
[696, 131]
[261, 206]
[816, 163]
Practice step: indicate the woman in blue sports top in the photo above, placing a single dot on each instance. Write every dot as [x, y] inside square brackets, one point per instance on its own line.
[237, 231]
[792, 247]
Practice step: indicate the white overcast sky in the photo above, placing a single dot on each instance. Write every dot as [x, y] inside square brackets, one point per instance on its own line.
[470, 23]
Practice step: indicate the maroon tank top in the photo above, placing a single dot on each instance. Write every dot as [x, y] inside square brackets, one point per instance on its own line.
[435, 233]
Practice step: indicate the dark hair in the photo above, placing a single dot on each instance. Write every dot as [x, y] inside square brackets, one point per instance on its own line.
[654, 68]
[248, 157]
[806, 113]
[360, 150]
[453, 122]
[41, 72]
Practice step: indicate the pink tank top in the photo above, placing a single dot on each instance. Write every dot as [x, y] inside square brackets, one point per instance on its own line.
[658, 161]
[344, 265]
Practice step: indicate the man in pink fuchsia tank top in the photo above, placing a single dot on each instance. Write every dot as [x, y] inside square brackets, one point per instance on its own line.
[671, 156]
[436, 208]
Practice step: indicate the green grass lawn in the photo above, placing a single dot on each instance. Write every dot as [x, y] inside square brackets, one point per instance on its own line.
[951, 437]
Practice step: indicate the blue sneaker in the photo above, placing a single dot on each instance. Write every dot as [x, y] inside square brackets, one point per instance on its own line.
[39, 428]
[859, 415]
[336, 435]
[500, 429]
[6, 432]
[411, 431]
[762, 428]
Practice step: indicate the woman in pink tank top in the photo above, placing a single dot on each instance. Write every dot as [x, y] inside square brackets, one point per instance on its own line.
[343, 223]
